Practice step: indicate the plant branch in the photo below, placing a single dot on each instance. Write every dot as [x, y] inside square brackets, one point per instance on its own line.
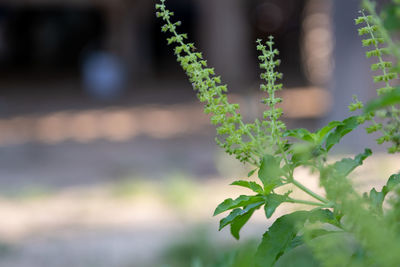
[306, 202]
[309, 192]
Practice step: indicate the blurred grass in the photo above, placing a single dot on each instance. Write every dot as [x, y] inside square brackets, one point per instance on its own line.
[199, 249]
[173, 204]
[177, 189]
[29, 193]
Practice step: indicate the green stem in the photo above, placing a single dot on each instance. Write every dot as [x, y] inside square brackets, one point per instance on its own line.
[296, 183]
[311, 203]
[309, 192]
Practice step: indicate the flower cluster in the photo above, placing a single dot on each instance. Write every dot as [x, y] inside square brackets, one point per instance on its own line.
[270, 76]
[376, 40]
[341, 218]
[247, 141]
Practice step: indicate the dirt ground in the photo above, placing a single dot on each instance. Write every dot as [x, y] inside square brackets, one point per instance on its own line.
[106, 204]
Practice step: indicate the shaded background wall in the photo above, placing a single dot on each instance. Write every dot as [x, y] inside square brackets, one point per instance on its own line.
[48, 42]
[98, 73]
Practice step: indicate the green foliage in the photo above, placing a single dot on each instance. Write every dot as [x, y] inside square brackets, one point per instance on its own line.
[365, 234]
[281, 236]
[199, 249]
[383, 101]
[250, 185]
[377, 198]
[378, 37]
[391, 16]
[270, 172]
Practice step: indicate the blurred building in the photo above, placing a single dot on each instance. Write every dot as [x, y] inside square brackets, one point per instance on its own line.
[66, 54]
[48, 35]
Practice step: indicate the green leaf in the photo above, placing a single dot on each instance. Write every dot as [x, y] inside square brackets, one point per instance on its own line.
[272, 202]
[303, 152]
[333, 244]
[335, 136]
[347, 165]
[391, 15]
[238, 217]
[321, 134]
[383, 101]
[251, 172]
[393, 181]
[250, 185]
[228, 219]
[377, 198]
[282, 233]
[241, 201]
[239, 222]
[297, 241]
[270, 172]
[301, 134]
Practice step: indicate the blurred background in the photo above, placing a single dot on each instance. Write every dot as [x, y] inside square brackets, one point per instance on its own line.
[106, 158]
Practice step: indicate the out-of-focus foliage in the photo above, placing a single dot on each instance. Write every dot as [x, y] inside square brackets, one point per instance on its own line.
[199, 250]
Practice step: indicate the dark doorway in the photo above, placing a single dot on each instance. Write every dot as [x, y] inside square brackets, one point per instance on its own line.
[37, 39]
[283, 20]
[164, 61]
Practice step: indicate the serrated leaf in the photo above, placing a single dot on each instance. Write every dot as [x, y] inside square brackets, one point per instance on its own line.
[237, 214]
[347, 165]
[272, 202]
[282, 233]
[270, 172]
[250, 185]
[335, 136]
[393, 181]
[383, 101]
[377, 198]
[241, 201]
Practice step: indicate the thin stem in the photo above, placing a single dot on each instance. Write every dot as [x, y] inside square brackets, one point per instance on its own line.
[309, 192]
[296, 183]
[306, 202]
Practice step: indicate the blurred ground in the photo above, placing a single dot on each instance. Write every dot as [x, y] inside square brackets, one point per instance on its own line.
[102, 184]
[116, 184]
[92, 183]
[123, 204]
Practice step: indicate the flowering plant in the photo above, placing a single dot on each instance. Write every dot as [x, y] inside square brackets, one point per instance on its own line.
[342, 227]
